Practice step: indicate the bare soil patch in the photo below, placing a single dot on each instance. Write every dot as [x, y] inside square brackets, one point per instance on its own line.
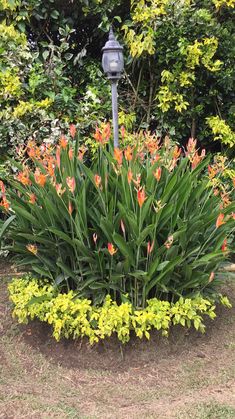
[188, 375]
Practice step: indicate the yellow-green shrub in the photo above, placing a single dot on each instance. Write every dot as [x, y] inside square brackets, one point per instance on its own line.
[74, 317]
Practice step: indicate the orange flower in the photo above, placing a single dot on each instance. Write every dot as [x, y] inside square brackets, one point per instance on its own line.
[224, 246]
[118, 155]
[23, 177]
[5, 204]
[111, 249]
[129, 176]
[70, 208]
[234, 182]
[72, 130]
[31, 152]
[2, 187]
[152, 146]
[211, 277]
[70, 153]
[138, 180]
[98, 135]
[63, 142]
[58, 156]
[94, 236]
[220, 220]
[123, 131]
[71, 183]
[51, 169]
[128, 153]
[107, 132]
[195, 160]
[168, 243]
[141, 196]
[150, 247]
[211, 172]
[40, 178]
[81, 152]
[97, 180]
[158, 173]
[32, 248]
[191, 146]
[32, 198]
[122, 227]
[176, 152]
[59, 189]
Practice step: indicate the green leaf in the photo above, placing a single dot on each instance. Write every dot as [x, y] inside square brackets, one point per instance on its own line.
[62, 235]
[124, 247]
[6, 224]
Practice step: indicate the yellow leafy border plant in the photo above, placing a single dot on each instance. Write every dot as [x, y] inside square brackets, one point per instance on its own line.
[72, 317]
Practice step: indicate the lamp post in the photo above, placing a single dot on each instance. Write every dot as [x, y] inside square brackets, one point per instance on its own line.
[113, 64]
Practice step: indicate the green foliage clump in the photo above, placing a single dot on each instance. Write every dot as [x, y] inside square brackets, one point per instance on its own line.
[143, 222]
[73, 317]
[178, 61]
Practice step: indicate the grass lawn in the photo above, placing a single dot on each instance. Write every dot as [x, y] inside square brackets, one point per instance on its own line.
[188, 375]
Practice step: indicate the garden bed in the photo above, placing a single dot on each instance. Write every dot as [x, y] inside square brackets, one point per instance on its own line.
[185, 375]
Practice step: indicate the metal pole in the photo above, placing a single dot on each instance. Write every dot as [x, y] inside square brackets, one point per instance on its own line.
[115, 113]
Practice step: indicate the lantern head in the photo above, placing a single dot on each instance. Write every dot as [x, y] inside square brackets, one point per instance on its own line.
[112, 60]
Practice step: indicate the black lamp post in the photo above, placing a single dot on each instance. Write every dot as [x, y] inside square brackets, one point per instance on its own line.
[113, 64]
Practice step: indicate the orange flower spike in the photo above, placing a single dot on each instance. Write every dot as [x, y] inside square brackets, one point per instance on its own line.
[118, 155]
[2, 187]
[32, 198]
[176, 152]
[82, 150]
[129, 176]
[23, 177]
[191, 146]
[107, 132]
[50, 169]
[224, 246]
[123, 227]
[220, 220]
[123, 131]
[98, 135]
[31, 152]
[169, 242]
[211, 277]
[158, 173]
[5, 204]
[70, 153]
[234, 182]
[72, 130]
[63, 142]
[32, 248]
[59, 189]
[71, 183]
[58, 156]
[95, 237]
[97, 180]
[150, 247]
[128, 153]
[70, 208]
[111, 249]
[141, 197]
[40, 178]
[196, 160]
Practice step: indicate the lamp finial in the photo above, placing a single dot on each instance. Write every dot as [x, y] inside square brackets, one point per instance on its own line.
[111, 34]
